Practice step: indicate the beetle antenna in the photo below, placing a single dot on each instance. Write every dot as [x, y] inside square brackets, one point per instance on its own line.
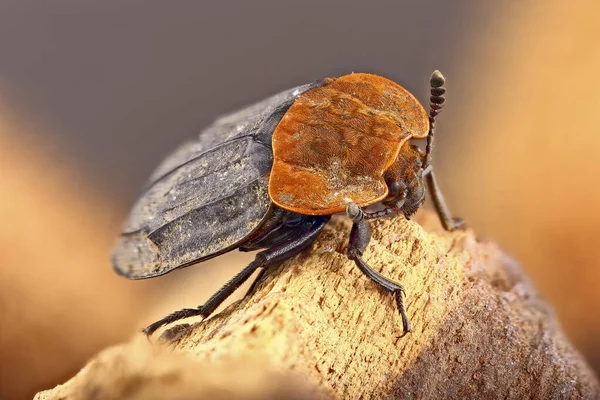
[436, 102]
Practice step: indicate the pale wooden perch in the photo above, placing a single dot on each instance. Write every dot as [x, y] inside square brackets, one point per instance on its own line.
[479, 331]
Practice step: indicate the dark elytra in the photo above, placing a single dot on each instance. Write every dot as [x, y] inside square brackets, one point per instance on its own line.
[206, 197]
[211, 196]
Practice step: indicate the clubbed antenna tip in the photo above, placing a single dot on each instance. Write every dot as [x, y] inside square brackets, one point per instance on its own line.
[436, 102]
[437, 79]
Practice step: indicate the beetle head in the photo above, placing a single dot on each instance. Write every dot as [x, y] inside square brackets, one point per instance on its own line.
[405, 180]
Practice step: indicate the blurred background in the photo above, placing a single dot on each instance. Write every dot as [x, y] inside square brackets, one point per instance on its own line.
[94, 94]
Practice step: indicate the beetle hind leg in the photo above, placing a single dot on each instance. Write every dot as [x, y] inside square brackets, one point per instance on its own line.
[211, 304]
[264, 259]
[175, 316]
[360, 236]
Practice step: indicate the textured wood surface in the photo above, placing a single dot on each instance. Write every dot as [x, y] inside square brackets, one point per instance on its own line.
[479, 331]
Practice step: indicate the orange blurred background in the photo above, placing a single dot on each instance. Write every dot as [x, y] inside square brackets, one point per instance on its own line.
[94, 94]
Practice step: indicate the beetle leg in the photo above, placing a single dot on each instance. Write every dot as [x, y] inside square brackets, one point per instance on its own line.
[284, 226]
[360, 235]
[260, 275]
[264, 259]
[393, 209]
[439, 203]
[386, 212]
[212, 303]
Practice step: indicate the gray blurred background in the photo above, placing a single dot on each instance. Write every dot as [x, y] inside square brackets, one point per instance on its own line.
[93, 94]
[123, 82]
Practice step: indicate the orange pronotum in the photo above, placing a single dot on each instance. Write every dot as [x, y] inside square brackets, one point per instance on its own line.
[335, 142]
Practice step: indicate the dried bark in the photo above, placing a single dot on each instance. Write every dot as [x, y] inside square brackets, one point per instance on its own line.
[480, 331]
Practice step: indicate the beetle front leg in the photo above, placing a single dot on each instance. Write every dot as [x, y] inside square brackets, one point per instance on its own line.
[399, 192]
[439, 203]
[386, 212]
[360, 235]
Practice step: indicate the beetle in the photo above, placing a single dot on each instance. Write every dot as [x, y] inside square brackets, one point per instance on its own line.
[271, 175]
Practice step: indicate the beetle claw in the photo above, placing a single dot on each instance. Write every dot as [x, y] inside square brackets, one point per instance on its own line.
[150, 329]
[177, 315]
[400, 303]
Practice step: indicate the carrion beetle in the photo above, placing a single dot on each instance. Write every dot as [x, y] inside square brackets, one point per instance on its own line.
[271, 176]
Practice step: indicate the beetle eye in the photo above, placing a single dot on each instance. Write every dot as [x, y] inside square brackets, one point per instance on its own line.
[394, 189]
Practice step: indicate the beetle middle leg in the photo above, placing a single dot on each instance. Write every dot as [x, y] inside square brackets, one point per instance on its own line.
[360, 236]
[264, 259]
[281, 227]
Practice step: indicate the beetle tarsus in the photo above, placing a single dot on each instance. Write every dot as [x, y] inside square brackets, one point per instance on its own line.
[389, 210]
[400, 303]
[386, 212]
[360, 236]
[175, 316]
